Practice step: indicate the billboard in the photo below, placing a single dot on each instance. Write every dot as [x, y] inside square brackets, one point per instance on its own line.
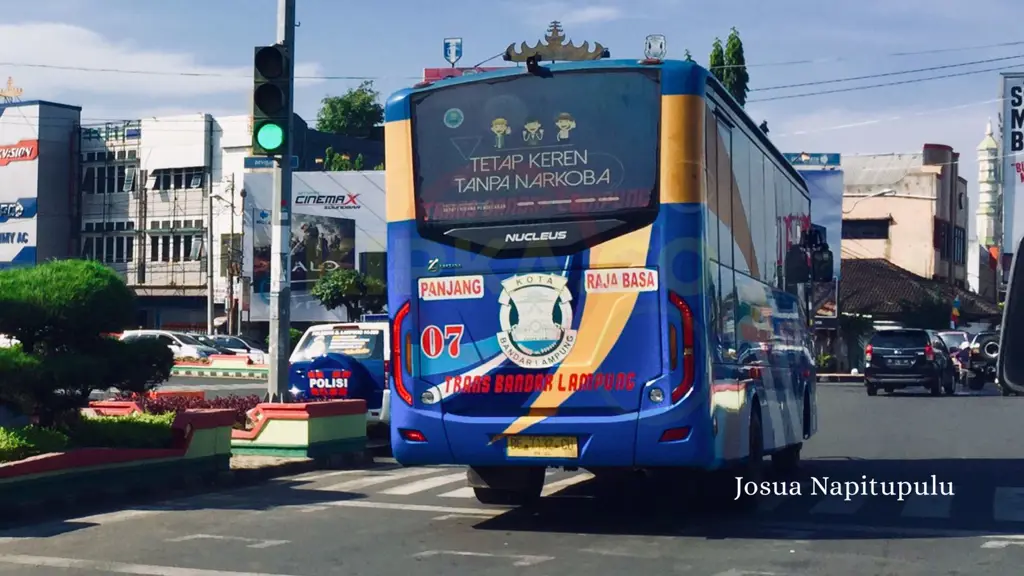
[337, 222]
[1013, 165]
[435, 74]
[825, 183]
[18, 177]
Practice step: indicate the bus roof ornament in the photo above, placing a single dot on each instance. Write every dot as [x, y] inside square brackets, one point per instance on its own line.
[555, 47]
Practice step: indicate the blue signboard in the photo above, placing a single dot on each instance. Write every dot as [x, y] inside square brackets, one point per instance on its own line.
[263, 162]
[813, 158]
[452, 50]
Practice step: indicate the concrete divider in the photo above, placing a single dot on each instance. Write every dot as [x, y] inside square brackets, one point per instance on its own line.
[319, 430]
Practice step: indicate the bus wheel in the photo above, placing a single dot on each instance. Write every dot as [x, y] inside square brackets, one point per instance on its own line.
[506, 486]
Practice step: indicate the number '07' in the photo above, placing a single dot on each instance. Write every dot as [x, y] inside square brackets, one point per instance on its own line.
[435, 340]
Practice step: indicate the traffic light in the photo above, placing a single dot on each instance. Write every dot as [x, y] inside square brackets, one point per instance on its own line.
[270, 106]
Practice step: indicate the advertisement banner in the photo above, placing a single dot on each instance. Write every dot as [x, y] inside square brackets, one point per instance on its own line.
[337, 221]
[1013, 165]
[18, 176]
[435, 74]
[826, 188]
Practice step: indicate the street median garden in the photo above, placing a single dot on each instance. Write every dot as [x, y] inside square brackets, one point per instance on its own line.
[57, 448]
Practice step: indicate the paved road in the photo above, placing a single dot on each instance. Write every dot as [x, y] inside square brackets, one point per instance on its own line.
[391, 520]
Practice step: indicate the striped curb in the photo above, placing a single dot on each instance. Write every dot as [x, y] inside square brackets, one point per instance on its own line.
[219, 373]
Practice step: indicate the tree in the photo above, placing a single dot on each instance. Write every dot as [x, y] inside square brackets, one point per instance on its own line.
[735, 76]
[687, 56]
[350, 289]
[334, 162]
[61, 313]
[353, 114]
[716, 61]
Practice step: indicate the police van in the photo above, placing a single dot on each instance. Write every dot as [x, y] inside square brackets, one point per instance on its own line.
[349, 360]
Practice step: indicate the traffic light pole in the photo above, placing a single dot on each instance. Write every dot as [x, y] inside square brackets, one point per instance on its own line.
[281, 220]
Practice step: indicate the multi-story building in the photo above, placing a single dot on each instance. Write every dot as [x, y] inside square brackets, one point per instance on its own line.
[910, 209]
[37, 181]
[159, 196]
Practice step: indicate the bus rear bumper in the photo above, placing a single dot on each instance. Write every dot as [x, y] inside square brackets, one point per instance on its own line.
[612, 441]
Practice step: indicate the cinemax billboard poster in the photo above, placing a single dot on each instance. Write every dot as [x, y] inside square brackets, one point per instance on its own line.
[337, 222]
[1013, 164]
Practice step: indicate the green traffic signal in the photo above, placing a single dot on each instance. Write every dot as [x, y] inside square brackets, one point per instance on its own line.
[270, 137]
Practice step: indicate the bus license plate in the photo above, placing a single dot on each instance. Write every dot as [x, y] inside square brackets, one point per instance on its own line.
[542, 447]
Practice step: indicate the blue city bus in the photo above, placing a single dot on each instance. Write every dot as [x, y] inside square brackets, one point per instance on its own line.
[587, 268]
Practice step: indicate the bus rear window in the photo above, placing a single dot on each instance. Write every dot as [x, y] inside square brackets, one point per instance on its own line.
[359, 343]
[527, 147]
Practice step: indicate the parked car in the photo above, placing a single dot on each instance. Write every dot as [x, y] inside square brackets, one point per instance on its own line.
[182, 345]
[345, 361]
[907, 358]
[241, 345]
[212, 343]
[984, 354]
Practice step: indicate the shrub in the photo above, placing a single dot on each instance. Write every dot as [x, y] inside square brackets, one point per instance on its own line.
[61, 312]
[131, 431]
[20, 443]
[174, 404]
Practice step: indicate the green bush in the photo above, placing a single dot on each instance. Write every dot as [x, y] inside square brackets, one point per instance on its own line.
[293, 335]
[21, 443]
[132, 431]
[60, 312]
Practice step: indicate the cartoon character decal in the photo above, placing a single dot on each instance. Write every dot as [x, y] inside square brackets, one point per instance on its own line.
[533, 133]
[564, 122]
[501, 129]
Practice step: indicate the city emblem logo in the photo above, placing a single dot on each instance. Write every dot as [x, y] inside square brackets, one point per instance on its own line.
[536, 320]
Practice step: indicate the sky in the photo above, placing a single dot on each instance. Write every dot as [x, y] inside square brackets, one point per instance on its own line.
[391, 42]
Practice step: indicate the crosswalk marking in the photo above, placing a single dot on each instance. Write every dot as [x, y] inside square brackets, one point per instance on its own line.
[464, 492]
[1008, 504]
[837, 505]
[927, 507]
[359, 483]
[425, 484]
[564, 483]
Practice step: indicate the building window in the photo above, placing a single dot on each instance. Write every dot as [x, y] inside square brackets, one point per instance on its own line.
[175, 248]
[190, 178]
[868, 229]
[109, 249]
[959, 245]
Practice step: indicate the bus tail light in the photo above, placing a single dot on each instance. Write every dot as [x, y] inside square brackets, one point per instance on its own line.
[401, 357]
[689, 361]
[867, 353]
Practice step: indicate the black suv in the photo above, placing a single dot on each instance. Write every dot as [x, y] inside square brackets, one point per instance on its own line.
[904, 358]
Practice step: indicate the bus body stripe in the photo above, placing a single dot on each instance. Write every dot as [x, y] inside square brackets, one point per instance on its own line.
[398, 180]
[681, 174]
[603, 320]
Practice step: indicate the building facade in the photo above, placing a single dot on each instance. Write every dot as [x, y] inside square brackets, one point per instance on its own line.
[38, 165]
[161, 201]
[909, 209]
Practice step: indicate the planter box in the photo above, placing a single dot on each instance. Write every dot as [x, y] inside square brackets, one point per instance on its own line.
[314, 430]
[201, 451]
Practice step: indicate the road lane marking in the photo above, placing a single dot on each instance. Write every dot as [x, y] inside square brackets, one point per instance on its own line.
[1008, 504]
[425, 484]
[927, 507]
[518, 559]
[373, 480]
[476, 512]
[47, 529]
[836, 505]
[119, 567]
[464, 492]
[256, 543]
[564, 483]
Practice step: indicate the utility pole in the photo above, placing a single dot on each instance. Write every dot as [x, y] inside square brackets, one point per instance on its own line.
[210, 297]
[229, 307]
[280, 262]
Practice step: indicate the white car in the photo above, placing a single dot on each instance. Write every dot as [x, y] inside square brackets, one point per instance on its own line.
[240, 345]
[182, 345]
